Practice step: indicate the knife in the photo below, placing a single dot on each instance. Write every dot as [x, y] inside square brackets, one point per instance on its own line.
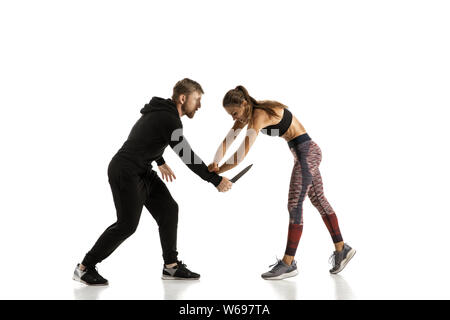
[240, 174]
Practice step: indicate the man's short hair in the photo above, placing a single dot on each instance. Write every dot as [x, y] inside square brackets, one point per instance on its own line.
[186, 87]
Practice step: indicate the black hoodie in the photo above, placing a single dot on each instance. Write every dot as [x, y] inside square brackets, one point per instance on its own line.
[159, 126]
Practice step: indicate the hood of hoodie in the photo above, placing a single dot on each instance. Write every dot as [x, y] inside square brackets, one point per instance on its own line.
[160, 104]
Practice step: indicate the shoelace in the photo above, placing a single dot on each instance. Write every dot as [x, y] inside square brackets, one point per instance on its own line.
[94, 272]
[182, 266]
[276, 265]
[278, 260]
[332, 259]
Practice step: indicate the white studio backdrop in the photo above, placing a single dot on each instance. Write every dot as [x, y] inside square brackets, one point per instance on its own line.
[369, 80]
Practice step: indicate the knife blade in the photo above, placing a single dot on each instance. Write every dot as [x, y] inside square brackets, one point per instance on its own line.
[240, 174]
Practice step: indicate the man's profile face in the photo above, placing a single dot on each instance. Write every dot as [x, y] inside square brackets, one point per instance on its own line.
[192, 104]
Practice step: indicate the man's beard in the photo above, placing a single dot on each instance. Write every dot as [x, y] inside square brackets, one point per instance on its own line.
[189, 114]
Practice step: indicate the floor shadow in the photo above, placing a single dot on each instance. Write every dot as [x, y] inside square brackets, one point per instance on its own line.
[85, 292]
[175, 289]
[342, 290]
[284, 289]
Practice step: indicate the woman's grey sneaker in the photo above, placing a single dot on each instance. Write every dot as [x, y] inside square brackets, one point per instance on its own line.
[339, 259]
[179, 272]
[89, 276]
[281, 271]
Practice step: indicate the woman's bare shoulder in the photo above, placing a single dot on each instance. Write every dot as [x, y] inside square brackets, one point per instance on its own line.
[260, 118]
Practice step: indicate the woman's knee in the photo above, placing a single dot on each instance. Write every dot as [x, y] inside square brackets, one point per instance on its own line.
[295, 216]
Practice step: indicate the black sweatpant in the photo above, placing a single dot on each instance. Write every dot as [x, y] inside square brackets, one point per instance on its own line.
[131, 192]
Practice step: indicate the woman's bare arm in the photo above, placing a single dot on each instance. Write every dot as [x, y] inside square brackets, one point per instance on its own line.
[250, 138]
[229, 139]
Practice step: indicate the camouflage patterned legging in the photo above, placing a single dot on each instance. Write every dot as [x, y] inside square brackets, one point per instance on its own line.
[306, 179]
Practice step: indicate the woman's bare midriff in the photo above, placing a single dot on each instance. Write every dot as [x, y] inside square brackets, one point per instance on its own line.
[295, 129]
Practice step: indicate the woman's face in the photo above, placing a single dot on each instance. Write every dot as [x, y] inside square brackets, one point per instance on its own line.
[237, 112]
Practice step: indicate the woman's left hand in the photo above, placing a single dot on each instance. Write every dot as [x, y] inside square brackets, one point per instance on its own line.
[166, 172]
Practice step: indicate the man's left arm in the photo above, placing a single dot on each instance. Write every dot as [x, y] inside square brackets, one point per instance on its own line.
[182, 148]
[160, 161]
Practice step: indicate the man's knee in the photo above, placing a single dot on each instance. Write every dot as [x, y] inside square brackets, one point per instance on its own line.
[170, 215]
[126, 229]
[175, 206]
[172, 207]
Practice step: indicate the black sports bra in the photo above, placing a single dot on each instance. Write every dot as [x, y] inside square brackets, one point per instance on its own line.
[277, 130]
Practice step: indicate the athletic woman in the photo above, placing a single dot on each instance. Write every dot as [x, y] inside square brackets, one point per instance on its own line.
[274, 119]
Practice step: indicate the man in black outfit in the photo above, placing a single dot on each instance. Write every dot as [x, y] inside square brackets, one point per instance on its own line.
[134, 184]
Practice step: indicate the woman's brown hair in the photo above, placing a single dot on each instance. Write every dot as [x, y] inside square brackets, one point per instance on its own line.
[239, 94]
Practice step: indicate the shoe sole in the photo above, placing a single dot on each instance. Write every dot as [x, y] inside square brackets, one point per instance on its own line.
[344, 262]
[177, 278]
[283, 276]
[88, 284]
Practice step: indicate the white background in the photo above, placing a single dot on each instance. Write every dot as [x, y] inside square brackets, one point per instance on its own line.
[369, 80]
